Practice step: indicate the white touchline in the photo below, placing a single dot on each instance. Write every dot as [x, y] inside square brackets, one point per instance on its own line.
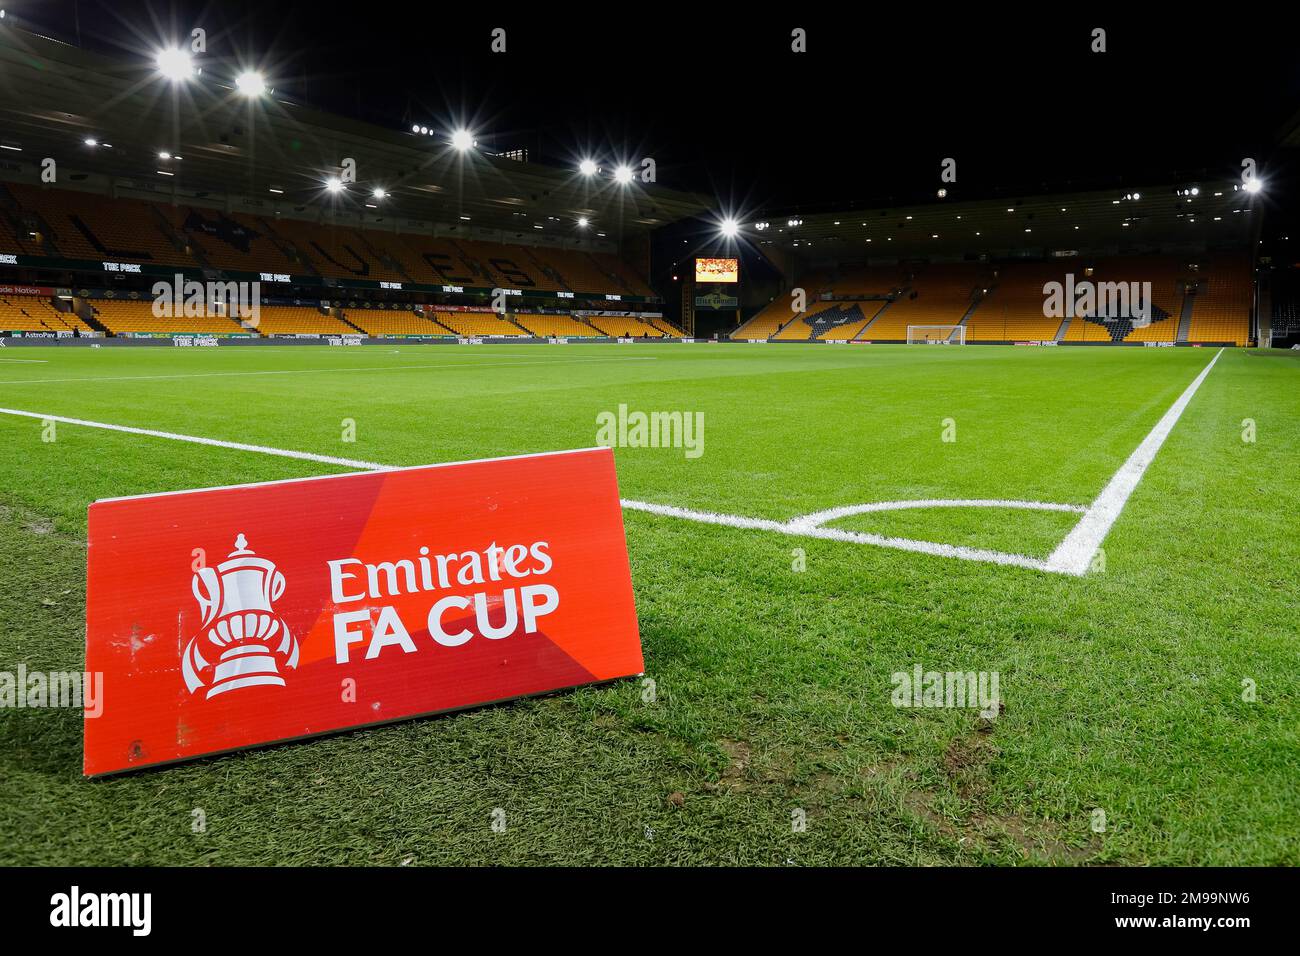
[1073, 556]
[194, 439]
[1075, 553]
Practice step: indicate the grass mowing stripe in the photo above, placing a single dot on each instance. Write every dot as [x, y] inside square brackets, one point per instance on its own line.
[318, 371]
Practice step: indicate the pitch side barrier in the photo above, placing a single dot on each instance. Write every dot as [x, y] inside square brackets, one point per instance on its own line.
[1047, 343]
[226, 341]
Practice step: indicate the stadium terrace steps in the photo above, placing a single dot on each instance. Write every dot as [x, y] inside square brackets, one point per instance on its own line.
[856, 317]
[133, 315]
[91, 226]
[479, 324]
[1185, 318]
[289, 249]
[35, 314]
[624, 327]
[392, 322]
[1222, 303]
[558, 326]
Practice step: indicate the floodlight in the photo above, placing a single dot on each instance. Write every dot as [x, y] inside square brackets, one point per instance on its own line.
[1253, 185]
[334, 185]
[175, 64]
[729, 228]
[623, 174]
[588, 168]
[251, 83]
[462, 140]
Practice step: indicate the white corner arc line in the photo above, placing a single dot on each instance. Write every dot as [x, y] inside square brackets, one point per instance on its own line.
[800, 527]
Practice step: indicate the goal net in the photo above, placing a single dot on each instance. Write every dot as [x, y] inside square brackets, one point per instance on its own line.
[936, 335]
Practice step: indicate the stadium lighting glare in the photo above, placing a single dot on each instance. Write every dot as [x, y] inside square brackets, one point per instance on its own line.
[623, 174]
[250, 83]
[415, 127]
[729, 228]
[588, 168]
[582, 222]
[91, 142]
[164, 155]
[175, 64]
[1253, 185]
[379, 193]
[334, 185]
[462, 140]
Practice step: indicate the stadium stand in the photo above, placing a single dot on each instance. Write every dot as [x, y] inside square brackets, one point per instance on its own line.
[34, 314]
[624, 277]
[300, 320]
[234, 241]
[563, 326]
[667, 328]
[767, 322]
[937, 295]
[1013, 308]
[90, 226]
[1222, 303]
[94, 227]
[1285, 322]
[136, 316]
[337, 251]
[848, 320]
[811, 322]
[853, 281]
[625, 326]
[392, 322]
[478, 324]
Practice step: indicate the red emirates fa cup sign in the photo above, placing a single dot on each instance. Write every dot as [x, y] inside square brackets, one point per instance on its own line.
[230, 617]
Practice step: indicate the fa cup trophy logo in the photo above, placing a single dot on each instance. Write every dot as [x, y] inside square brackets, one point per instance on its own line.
[245, 640]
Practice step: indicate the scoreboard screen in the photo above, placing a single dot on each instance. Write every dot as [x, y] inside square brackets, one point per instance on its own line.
[717, 270]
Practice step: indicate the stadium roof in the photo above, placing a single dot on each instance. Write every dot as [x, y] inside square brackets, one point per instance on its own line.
[54, 96]
[1210, 213]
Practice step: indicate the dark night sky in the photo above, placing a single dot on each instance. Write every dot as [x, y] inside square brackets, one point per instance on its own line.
[713, 93]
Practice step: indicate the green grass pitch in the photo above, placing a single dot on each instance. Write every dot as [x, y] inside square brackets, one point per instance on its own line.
[1125, 691]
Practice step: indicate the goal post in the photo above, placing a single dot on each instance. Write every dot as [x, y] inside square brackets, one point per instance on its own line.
[936, 335]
